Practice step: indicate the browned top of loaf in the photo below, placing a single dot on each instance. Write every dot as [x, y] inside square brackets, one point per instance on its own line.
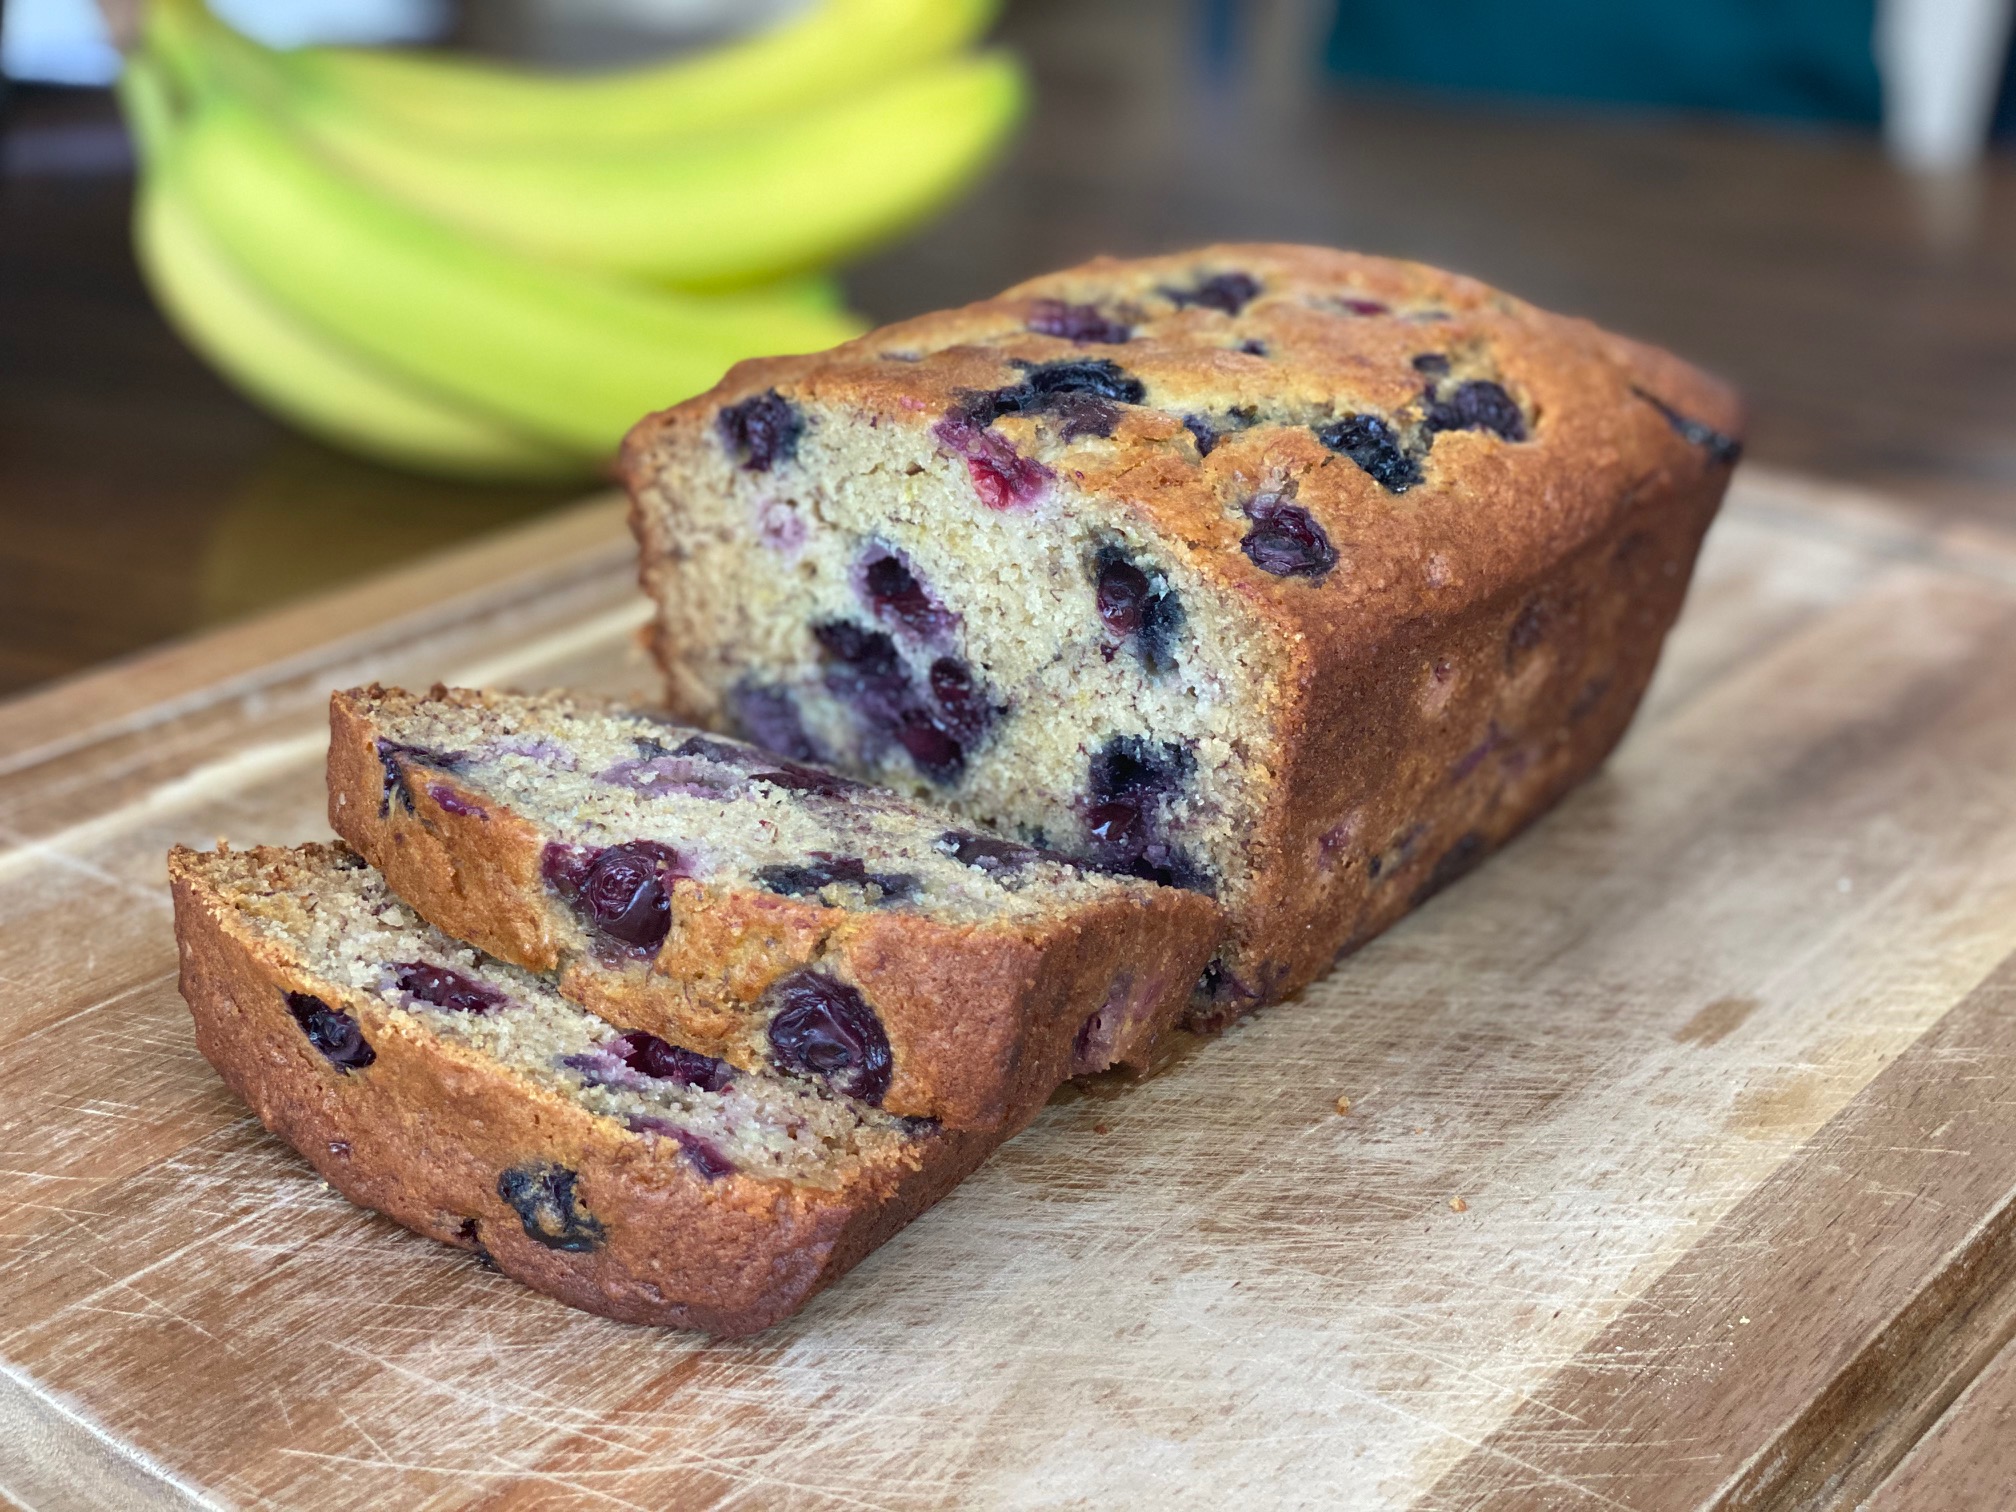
[1335, 334]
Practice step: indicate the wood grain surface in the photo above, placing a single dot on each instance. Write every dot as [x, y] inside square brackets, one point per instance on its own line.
[1679, 1167]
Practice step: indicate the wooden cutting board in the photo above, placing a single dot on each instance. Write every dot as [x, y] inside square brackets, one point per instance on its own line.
[1678, 1169]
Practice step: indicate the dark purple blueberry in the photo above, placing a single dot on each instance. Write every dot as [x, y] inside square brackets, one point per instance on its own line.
[395, 785]
[621, 890]
[389, 754]
[1253, 348]
[1098, 377]
[452, 802]
[762, 431]
[1528, 630]
[337, 1035]
[988, 854]
[1046, 386]
[446, 989]
[864, 671]
[544, 1198]
[648, 1055]
[1074, 322]
[468, 1236]
[1161, 626]
[1123, 593]
[1228, 293]
[1084, 415]
[624, 892]
[768, 716]
[1093, 1041]
[1722, 449]
[1286, 540]
[1220, 985]
[706, 1157]
[1132, 604]
[1434, 364]
[1453, 864]
[803, 779]
[700, 748]
[824, 871]
[1117, 826]
[565, 866]
[1129, 766]
[822, 1027]
[952, 683]
[1002, 476]
[937, 754]
[1478, 404]
[799, 881]
[1375, 446]
[1130, 780]
[1208, 430]
[963, 710]
[894, 593]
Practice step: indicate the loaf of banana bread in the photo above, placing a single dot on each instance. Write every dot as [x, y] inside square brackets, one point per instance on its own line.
[469, 1101]
[1294, 578]
[757, 909]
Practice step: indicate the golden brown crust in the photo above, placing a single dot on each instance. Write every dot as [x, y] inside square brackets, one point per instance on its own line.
[425, 1131]
[1488, 630]
[984, 1022]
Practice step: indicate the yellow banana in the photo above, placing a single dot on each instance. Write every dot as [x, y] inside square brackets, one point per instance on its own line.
[831, 51]
[571, 359]
[305, 380]
[733, 208]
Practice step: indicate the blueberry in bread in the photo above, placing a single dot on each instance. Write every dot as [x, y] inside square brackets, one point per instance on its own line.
[765, 912]
[469, 1101]
[1294, 578]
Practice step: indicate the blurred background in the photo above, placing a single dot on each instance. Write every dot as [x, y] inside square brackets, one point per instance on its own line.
[1815, 198]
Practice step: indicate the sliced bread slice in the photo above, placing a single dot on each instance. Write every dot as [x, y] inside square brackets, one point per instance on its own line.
[469, 1101]
[757, 909]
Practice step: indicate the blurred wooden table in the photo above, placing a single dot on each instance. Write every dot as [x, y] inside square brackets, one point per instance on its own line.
[1871, 320]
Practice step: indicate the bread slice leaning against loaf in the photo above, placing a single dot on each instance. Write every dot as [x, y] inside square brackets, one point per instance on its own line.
[469, 1101]
[757, 909]
[1295, 578]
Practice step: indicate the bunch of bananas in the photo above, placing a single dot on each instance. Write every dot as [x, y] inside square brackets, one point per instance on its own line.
[489, 272]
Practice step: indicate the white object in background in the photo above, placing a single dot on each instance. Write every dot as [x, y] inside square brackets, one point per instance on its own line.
[1941, 62]
[65, 41]
[295, 23]
[56, 42]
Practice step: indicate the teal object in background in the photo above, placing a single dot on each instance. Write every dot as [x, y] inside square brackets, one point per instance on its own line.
[1801, 59]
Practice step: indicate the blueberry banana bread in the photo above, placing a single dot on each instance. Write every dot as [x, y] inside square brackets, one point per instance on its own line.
[467, 1100]
[1295, 578]
[762, 911]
